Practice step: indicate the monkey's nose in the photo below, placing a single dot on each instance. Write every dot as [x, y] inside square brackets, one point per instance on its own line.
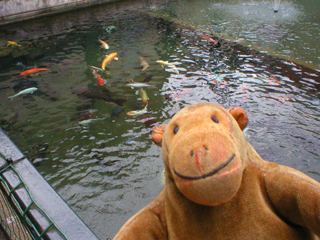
[199, 155]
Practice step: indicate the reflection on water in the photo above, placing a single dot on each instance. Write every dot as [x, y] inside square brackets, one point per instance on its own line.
[276, 5]
[292, 32]
[107, 168]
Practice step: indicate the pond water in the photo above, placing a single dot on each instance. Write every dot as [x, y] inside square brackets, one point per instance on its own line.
[103, 163]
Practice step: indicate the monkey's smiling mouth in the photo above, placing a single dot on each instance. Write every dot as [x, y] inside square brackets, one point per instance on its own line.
[208, 174]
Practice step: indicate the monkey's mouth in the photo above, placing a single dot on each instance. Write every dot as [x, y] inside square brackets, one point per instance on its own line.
[213, 172]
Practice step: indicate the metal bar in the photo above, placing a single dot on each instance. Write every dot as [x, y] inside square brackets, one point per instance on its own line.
[43, 194]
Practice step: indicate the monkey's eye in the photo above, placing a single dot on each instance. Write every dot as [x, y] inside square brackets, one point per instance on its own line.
[176, 129]
[215, 119]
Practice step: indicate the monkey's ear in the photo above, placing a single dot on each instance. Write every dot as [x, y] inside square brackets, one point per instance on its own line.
[157, 134]
[240, 115]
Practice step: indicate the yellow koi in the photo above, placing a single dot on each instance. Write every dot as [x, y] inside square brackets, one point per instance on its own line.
[12, 43]
[143, 64]
[108, 59]
[104, 44]
[143, 95]
[165, 64]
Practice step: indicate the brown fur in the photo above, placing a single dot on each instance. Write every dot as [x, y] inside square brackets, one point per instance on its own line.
[218, 187]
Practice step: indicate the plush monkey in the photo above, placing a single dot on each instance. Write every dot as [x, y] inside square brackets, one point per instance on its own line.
[218, 187]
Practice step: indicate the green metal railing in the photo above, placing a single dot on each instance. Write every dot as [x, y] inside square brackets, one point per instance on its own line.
[10, 221]
[17, 219]
[30, 209]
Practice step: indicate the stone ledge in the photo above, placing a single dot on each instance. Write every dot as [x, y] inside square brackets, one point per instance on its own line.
[12, 11]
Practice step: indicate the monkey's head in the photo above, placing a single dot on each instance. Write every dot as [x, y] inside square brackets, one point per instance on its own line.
[204, 152]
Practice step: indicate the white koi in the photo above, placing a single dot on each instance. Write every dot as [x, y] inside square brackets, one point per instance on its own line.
[138, 85]
[175, 70]
[96, 68]
[88, 121]
[26, 91]
[138, 112]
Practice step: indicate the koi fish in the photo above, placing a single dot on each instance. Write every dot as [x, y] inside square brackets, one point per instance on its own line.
[150, 122]
[34, 70]
[91, 93]
[104, 44]
[99, 80]
[143, 64]
[12, 43]
[176, 94]
[143, 95]
[138, 112]
[175, 70]
[209, 39]
[138, 85]
[148, 78]
[26, 91]
[96, 68]
[21, 65]
[88, 121]
[110, 29]
[85, 114]
[284, 99]
[165, 64]
[116, 111]
[108, 59]
[273, 81]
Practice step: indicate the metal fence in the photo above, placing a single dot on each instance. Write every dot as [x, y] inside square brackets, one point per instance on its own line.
[10, 222]
[29, 206]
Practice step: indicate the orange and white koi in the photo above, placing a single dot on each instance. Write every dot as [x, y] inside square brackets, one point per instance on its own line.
[104, 44]
[273, 81]
[99, 80]
[85, 114]
[34, 70]
[108, 59]
[138, 112]
[12, 43]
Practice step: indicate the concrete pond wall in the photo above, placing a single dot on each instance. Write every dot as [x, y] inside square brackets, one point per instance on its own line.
[18, 10]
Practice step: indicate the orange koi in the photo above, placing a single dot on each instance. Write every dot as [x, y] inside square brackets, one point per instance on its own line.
[273, 81]
[214, 81]
[99, 80]
[104, 44]
[34, 70]
[209, 39]
[108, 59]
[284, 99]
